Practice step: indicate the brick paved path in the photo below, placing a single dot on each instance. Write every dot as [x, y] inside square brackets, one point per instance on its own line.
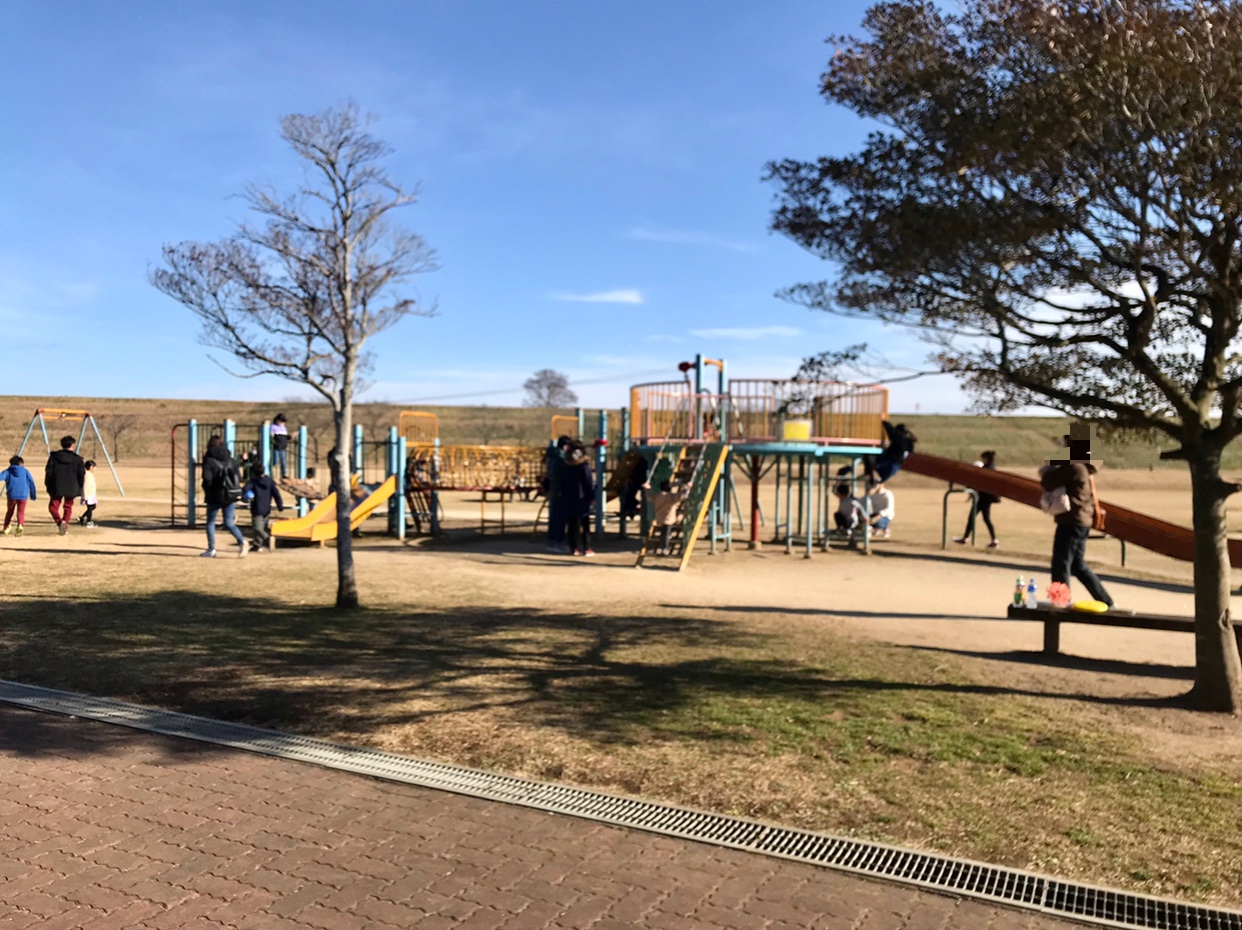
[104, 827]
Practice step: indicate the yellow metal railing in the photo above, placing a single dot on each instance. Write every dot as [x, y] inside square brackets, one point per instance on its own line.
[418, 427]
[754, 411]
[563, 425]
[476, 468]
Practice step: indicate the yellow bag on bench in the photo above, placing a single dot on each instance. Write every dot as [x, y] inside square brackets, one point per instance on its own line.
[1089, 607]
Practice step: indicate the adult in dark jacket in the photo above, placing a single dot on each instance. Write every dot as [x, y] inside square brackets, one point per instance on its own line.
[983, 508]
[554, 461]
[219, 471]
[63, 479]
[1069, 542]
[261, 491]
[578, 494]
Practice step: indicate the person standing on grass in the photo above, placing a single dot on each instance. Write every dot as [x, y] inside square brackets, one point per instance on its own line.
[19, 485]
[261, 491]
[221, 491]
[578, 490]
[1069, 542]
[63, 479]
[90, 495]
[983, 506]
[555, 478]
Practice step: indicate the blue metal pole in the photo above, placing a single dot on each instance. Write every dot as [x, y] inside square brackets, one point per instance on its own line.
[435, 492]
[698, 397]
[811, 497]
[29, 430]
[359, 450]
[625, 430]
[399, 494]
[265, 446]
[301, 467]
[581, 424]
[230, 435]
[191, 471]
[601, 459]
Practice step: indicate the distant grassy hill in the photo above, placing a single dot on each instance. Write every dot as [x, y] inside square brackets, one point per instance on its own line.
[141, 428]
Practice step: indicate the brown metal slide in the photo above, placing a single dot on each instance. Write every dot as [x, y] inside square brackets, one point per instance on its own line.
[1177, 542]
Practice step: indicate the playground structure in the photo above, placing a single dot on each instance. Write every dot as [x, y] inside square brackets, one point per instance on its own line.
[801, 434]
[60, 415]
[189, 443]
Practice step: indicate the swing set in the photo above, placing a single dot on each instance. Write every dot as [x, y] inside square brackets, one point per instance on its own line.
[57, 415]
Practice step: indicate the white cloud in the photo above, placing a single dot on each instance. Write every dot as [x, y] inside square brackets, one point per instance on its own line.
[747, 333]
[690, 237]
[623, 296]
[663, 338]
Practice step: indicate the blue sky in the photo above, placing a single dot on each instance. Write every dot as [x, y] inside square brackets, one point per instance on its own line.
[590, 176]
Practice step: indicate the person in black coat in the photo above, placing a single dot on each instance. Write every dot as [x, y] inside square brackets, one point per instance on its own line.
[221, 491]
[63, 479]
[984, 507]
[578, 495]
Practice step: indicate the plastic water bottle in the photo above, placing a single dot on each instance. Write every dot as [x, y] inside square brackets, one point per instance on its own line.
[1032, 595]
[1018, 591]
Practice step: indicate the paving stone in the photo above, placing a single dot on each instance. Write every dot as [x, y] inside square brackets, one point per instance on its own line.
[137, 830]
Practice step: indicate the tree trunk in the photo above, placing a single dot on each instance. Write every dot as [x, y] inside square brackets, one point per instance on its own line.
[1218, 671]
[346, 582]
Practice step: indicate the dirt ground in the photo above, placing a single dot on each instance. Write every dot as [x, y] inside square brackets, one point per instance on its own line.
[910, 592]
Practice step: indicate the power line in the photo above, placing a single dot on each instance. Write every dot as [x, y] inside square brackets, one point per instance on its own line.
[514, 390]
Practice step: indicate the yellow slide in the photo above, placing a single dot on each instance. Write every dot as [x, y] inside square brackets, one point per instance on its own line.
[320, 523]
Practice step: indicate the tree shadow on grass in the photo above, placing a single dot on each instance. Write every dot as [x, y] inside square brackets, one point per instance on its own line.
[322, 672]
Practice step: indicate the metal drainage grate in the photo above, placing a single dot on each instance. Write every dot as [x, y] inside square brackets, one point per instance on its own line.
[936, 873]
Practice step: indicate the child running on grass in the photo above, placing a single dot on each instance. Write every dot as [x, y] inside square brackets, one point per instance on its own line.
[89, 495]
[261, 492]
[19, 485]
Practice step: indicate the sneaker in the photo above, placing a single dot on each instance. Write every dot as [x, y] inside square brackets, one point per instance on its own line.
[888, 534]
[994, 544]
[960, 540]
[6, 531]
[20, 530]
[92, 524]
[209, 554]
[242, 549]
[577, 552]
[590, 553]
[64, 527]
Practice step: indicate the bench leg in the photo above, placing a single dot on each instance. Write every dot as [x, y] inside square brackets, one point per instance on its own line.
[1052, 637]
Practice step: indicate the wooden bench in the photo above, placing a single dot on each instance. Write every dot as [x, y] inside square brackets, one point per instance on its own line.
[1053, 617]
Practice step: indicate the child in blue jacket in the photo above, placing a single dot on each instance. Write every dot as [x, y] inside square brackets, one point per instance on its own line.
[19, 485]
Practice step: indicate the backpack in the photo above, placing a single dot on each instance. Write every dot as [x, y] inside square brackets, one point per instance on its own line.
[230, 485]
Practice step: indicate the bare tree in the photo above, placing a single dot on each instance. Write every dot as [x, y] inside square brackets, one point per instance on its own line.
[116, 425]
[299, 296]
[549, 388]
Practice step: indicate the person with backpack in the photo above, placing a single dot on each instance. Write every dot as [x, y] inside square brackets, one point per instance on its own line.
[261, 492]
[222, 489]
[63, 479]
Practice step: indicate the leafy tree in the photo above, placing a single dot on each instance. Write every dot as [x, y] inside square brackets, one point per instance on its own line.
[548, 388]
[299, 296]
[1053, 198]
